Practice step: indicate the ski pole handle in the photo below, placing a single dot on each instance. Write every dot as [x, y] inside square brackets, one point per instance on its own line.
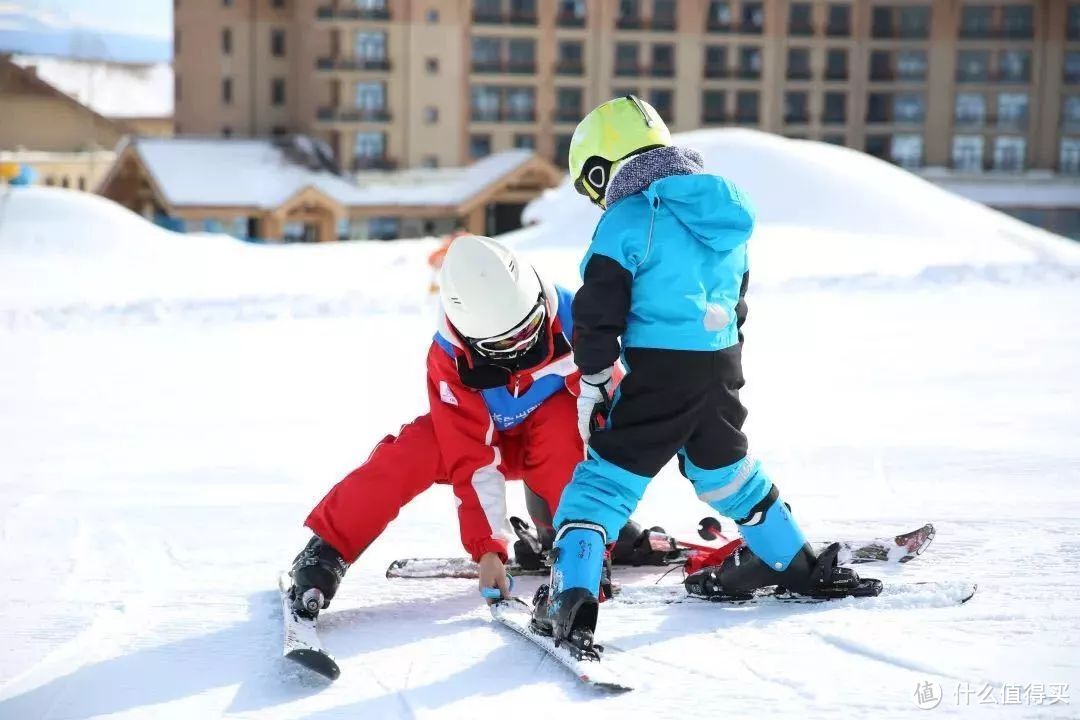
[492, 593]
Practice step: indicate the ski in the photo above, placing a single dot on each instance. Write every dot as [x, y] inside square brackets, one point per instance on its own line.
[302, 644]
[893, 595]
[896, 549]
[514, 614]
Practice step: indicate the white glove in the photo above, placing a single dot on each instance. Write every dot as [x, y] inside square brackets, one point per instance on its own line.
[593, 403]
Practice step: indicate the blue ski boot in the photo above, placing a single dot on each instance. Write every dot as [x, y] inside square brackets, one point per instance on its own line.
[567, 609]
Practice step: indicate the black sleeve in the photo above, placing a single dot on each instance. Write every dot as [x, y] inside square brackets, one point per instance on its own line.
[600, 309]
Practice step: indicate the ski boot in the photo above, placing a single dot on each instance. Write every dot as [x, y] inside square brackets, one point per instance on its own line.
[529, 550]
[634, 547]
[316, 573]
[567, 609]
[743, 575]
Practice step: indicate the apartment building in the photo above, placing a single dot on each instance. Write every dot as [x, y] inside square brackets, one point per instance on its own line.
[973, 86]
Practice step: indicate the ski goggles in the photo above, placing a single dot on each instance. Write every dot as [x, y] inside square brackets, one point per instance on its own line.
[596, 174]
[517, 340]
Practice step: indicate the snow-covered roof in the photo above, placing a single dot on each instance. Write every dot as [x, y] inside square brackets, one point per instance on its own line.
[1033, 189]
[442, 186]
[111, 89]
[220, 172]
[217, 172]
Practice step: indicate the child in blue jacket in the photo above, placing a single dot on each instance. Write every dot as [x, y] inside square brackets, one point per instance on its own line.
[664, 282]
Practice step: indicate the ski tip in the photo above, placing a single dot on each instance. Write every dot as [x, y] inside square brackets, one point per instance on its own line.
[970, 594]
[611, 687]
[394, 567]
[317, 662]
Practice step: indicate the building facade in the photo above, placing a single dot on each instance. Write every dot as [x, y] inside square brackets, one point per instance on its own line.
[980, 85]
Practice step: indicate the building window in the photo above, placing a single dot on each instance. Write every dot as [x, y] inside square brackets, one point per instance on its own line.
[1009, 153]
[522, 55]
[907, 150]
[369, 150]
[909, 108]
[798, 64]
[277, 42]
[525, 141]
[570, 58]
[976, 21]
[967, 152]
[970, 109]
[277, 91]
[750, 62]
[279, 131]
[746, 107]
[1012, 111]
[226, 90]
[973, 66]
[626, 59]
[571, 13]
[719, 17]
[521, 104]
[479, 146]
[82, 182]
[277, 3]
[226, 131]
[370, 99]
[796, 104]
[911, 65]
[663, 15]
[839, 20]
[485, 103]
[226, 41]
[568, 101]
[835, 108]
[432, 18]
[1014, 66]
[1072, 22]
[799, 22]
[383, 228]
[915, 22]
[1069, 157]
[1018, 21]
[663, 60]
[523, 12]
[429, 161]
[836, 64]
[227, 3]
[833, 139]
[562, 150]
[715, 61]
[663, 101]
[629, 15]
[486, 54]
[1072, 67]
[370, 47]
[431, 115]
[714, 106]
[1070, 113]
[753, 18]
[432, 66]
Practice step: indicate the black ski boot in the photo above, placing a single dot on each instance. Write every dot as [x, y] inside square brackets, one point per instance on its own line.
[316, 573]
[634, 547]
[743, 575]
[568, 619]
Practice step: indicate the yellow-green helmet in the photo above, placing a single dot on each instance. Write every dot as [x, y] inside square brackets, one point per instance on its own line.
[609, 134]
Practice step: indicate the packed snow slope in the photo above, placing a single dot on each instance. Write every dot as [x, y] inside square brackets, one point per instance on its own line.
[172, 406]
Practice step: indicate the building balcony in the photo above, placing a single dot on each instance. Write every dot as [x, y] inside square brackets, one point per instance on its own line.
[662, 24]
[352, 63]
[333, 12]
[882, 75]
[512, 18]
[717, 71]
[373, 162]
[798, 74]
[838, 30]
[569, 67]
[800, 29]
[715, 26]
[662, 71]
[629, 22]
[750, 28]
[892, 32]
[748, 74]
[503, 115]
[714, 117]
[569, 20]
[994, 76]
[799, 118]
[836, 74]
[833, 119]
[747, 118]
[352, 115]
[628, 70]
[879, 119]
[512, 67]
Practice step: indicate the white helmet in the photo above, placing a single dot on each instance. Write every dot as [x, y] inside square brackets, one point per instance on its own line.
[492, 297]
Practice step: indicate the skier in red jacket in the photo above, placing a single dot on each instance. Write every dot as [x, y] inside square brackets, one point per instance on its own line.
[502, 388]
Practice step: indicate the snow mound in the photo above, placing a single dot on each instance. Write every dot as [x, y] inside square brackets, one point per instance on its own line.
[825, 210]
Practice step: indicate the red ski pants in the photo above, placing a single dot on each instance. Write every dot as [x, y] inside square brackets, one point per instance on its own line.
[542, 451]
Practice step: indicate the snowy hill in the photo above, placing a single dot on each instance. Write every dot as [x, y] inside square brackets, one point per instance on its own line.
[171, 407]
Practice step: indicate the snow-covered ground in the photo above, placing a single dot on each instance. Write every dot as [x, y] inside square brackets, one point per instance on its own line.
[171, 407]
